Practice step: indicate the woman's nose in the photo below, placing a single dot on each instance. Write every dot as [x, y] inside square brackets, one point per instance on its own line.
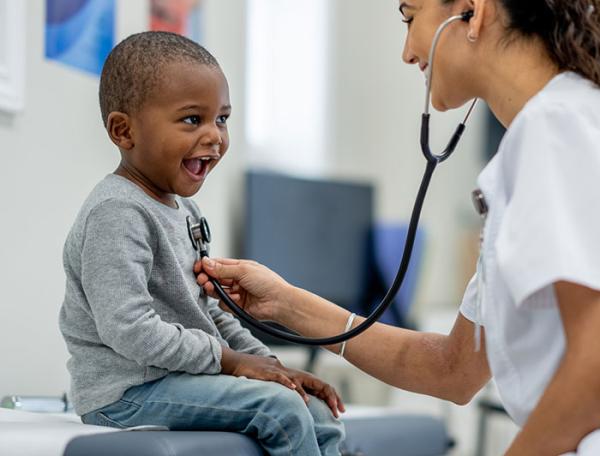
[407, 55]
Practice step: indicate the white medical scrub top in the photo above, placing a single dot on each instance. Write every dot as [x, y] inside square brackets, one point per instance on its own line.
[543, 225]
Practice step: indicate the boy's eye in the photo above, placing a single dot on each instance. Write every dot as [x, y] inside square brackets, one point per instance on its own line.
[192, 120]
[222, 119]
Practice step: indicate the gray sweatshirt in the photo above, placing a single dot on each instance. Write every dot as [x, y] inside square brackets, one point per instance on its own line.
[132, 311]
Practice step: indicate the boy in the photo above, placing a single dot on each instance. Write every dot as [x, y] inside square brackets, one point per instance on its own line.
[145, 349]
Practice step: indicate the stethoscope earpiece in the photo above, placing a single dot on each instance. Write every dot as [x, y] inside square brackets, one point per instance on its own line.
[467, 15]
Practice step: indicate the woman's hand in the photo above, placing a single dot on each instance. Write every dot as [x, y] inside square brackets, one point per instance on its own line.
[270, 369]
[252, 286]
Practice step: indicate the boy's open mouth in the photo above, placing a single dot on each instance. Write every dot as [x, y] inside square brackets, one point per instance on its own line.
[198, 166]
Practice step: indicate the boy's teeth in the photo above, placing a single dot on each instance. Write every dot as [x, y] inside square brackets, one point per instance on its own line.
[194, 165]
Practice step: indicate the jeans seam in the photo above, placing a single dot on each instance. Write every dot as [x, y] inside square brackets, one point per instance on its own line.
[255, 412]
[103, 417]
[134, 404]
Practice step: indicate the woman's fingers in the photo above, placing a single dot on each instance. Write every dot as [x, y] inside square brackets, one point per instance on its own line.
[230, 261]
[209, 289]
[223, 268]
[227, 283]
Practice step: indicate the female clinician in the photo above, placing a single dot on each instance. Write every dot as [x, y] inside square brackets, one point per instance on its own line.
[536, 293]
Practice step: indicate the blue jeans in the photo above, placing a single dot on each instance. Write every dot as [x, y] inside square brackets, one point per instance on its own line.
[273, 414]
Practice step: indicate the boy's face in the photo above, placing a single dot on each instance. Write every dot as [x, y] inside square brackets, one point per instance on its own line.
[180, 133]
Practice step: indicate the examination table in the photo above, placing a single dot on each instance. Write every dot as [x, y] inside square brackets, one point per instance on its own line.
[370, 431]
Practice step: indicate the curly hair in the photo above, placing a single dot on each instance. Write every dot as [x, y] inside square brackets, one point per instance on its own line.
[132, 70]
[570, 29]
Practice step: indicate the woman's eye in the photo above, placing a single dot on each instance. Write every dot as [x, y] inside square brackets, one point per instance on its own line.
[407, 20]
[192, 120]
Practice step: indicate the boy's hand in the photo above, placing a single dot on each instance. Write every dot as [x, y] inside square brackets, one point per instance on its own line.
[306, 382]
[270, 369]
[256, 367]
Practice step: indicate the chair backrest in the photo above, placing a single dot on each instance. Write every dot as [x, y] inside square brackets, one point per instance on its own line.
[388, 245]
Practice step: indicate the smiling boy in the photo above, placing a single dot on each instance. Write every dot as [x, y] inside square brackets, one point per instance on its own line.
[146, 347]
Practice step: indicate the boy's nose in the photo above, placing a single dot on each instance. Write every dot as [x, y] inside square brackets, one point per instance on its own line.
[212, 136]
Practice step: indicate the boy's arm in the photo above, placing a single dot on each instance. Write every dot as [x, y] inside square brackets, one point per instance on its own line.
[117, 261]
[239, 338]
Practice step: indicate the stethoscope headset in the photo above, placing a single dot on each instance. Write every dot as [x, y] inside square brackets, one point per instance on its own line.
[200, 233]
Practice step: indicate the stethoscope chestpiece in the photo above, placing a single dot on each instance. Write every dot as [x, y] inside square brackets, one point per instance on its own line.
[199, 233]
[205, 230]
[193, 232]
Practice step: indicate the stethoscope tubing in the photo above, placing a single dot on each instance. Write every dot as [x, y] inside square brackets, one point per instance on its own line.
[382, 306]
[432, 161]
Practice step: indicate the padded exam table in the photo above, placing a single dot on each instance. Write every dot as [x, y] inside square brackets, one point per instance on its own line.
[370, 431]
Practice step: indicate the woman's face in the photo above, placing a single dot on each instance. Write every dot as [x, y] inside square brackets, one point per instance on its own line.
[451, 81]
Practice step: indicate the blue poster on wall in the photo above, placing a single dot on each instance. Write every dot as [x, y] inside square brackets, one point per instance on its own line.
[80, 33]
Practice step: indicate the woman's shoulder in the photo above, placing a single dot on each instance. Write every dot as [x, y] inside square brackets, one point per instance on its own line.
[569, 96]
[563, 116]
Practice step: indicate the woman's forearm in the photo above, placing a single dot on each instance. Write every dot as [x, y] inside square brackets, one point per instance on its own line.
[443, 366]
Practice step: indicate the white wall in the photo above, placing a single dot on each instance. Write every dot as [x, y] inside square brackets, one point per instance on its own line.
[52, 154]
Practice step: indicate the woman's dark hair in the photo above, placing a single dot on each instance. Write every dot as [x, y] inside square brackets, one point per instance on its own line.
[570, 29]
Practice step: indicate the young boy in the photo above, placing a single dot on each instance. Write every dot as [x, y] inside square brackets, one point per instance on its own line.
[146, 347]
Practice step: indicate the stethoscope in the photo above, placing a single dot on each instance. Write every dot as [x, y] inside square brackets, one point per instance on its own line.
[200, 233]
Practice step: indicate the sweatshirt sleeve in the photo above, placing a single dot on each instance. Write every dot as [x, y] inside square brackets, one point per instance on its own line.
[239, 338]
[117, 259]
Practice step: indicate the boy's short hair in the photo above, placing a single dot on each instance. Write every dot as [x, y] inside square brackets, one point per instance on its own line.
[132, 70]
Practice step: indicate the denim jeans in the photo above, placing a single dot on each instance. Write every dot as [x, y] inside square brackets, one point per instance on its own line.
[275, 415]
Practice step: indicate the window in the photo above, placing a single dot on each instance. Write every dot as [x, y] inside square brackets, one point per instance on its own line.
[287, 67]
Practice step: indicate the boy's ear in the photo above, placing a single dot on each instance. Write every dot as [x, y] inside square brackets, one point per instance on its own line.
[118, 126]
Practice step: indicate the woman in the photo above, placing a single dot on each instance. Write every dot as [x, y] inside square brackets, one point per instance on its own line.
[536, 294]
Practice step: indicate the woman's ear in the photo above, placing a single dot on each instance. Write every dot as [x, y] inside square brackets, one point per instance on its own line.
[118, 126]
[479, 8]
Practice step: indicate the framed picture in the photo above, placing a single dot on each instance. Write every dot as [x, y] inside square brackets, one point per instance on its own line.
[12, 55]
[80, 33]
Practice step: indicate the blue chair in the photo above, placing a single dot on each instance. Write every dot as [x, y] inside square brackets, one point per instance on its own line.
[388, 245]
